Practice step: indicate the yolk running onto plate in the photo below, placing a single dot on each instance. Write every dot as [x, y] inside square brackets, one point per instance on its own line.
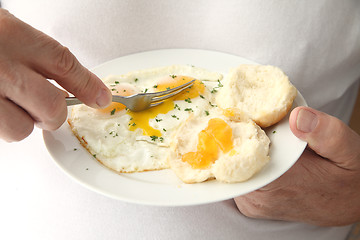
[141, 119]
[216, 136]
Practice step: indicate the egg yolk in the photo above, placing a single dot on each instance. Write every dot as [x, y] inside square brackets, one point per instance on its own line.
[216, 136]
[141, 119]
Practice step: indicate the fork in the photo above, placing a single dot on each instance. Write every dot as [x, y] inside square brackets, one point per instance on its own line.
[141, 101]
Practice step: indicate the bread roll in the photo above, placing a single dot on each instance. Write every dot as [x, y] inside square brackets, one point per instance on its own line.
[263, 93]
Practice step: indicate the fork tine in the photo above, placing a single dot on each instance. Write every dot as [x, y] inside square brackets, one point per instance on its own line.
[158, 99]
[155, 104]
[181, 87]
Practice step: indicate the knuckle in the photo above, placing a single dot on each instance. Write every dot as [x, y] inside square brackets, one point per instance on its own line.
[5, 17]
[25, 130]
[65, 62]
[15, 131]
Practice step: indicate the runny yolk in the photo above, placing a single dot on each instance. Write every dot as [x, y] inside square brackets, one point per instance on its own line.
[216, 136]
[141, 119]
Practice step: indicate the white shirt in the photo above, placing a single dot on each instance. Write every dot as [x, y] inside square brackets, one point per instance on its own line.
[317, 44]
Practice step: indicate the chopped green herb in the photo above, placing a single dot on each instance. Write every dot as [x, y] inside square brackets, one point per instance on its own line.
[133, 124]
[161, 139]
[188, 109]
[188, 100]
[207, 113]
[116, 82]
[124, 90]
[214, 90]
[145, 90]
[219, 84]
[168, 88]
[113, 89]
[158, 120]
[173, 76]
[155, 86]
[153, 138]
[75, 149]
[112, 111]
[136, 79]
[202, 96]
[87, 169]
[94, 155]
[176, 107]
[212, 104]
[164, 129]
[274, 131]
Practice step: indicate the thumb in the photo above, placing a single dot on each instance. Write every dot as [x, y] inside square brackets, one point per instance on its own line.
[328, 136]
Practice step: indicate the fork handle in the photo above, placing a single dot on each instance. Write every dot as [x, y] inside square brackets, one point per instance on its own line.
[72, 101]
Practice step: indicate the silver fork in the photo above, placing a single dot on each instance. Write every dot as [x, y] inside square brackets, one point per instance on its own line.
[141, 101]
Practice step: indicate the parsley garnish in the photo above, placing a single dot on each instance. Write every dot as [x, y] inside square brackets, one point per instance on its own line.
[202, 96]
[158, 120]
[164, 129]
[214, 90]
[136, 79]
[173, 76]
[112, 111]
[188, 100]
[155, 86]
[274, 131]
[116, 82]
[207, 113]
[153, 138]
[176, 107]
[219, 84]
[174, 116]
[212, 104]
[188, 109]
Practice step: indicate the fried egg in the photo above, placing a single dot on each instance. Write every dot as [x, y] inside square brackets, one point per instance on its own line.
[213, 146]
[127, 141]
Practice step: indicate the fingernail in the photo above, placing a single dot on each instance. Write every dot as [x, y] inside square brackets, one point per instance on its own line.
[103, 98]
[306, 121]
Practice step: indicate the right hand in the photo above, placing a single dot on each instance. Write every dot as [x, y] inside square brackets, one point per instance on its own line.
[28, 58]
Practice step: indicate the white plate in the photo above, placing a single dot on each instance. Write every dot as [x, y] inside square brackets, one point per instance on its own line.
[163, 188]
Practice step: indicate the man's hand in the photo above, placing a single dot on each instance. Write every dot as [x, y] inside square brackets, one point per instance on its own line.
[323, 187]
[27, 59]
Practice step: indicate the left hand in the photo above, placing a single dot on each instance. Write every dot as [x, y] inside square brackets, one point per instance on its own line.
[323, 187]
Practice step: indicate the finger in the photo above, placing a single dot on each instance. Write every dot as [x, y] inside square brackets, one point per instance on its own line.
[65, 69]
[38, 97]
[327, 136]
[15, 123]
[52, 60]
